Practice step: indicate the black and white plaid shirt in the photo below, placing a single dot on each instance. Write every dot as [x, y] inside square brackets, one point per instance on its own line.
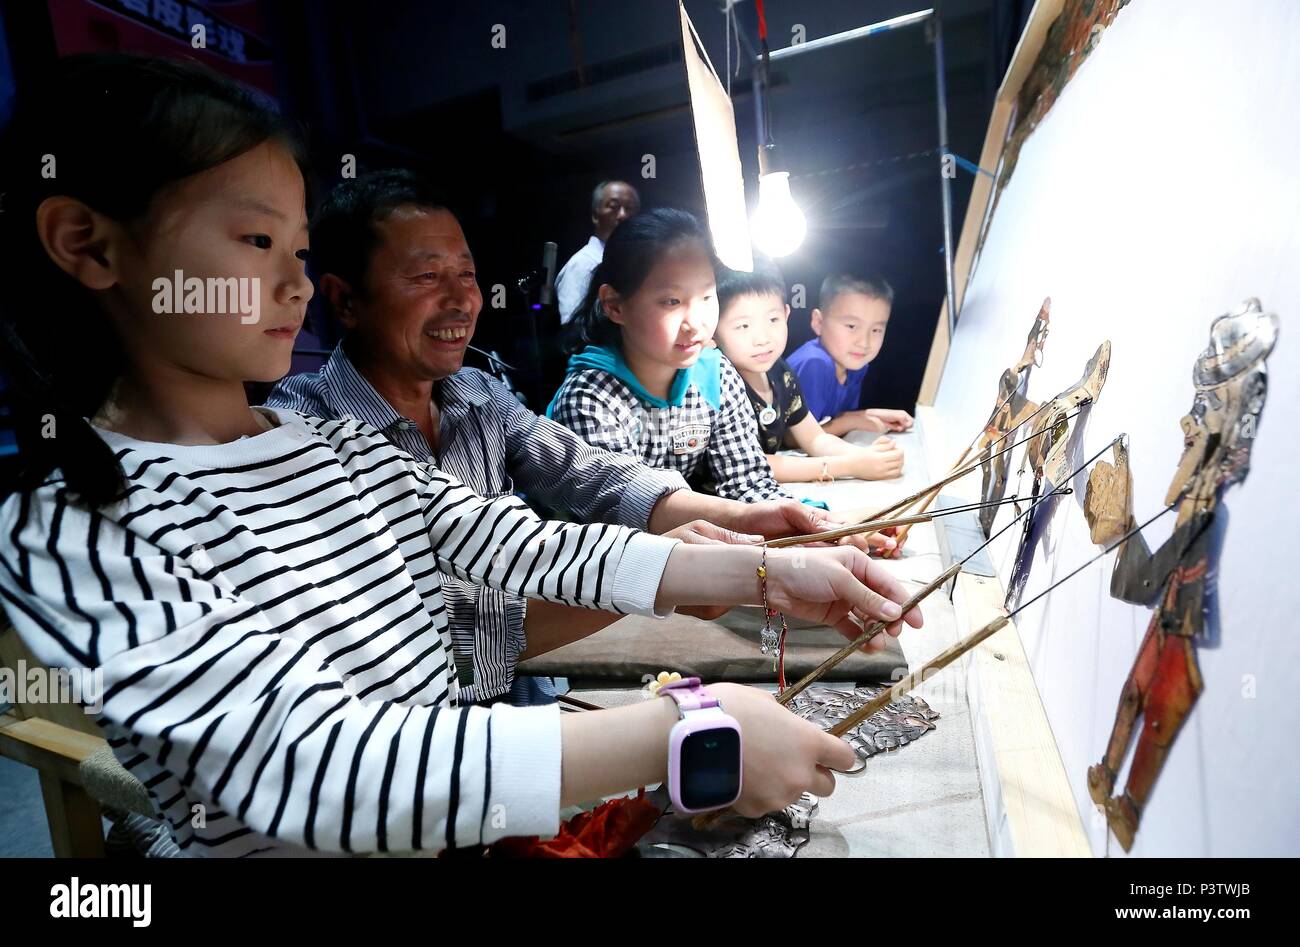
[717, 448]
[496, 447]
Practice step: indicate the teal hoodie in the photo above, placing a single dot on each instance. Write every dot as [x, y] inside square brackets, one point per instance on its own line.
[705, 374]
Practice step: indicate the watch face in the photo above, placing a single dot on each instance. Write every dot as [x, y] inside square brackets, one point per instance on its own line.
[710, 768]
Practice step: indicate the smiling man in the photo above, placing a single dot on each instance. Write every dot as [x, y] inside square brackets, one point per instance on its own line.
[395, 269]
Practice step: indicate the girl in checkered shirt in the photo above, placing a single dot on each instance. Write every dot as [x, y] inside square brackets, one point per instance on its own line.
[644, 378]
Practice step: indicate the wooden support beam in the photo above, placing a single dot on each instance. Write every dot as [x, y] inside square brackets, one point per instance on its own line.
[75, 819]
[1030, 806]
[55, 752]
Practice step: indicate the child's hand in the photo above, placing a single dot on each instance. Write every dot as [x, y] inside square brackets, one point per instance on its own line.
[882, 460]
[889, 418]
[784, 756]
[866, 421]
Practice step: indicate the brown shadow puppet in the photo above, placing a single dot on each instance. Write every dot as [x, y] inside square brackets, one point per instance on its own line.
[1230, 379]
[1054, 448]
[1013, 409]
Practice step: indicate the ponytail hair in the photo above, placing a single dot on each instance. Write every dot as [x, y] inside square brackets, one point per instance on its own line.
[631, 252]
[112, 131]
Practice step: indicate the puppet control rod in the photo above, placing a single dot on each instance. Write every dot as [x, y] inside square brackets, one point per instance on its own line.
[951, 654]
[934, 494]
[878, 521]
[957, 474]
[873, 629]
[872, 526]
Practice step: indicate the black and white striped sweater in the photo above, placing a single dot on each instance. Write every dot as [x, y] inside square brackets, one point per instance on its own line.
[269, 623]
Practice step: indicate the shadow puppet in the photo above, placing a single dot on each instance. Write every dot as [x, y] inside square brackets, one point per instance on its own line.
[1231, 383]
[1051, 456]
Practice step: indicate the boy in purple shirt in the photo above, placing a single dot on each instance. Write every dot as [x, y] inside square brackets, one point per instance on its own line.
[850, 327]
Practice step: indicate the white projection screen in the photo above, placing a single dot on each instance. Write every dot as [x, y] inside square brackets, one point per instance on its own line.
[1161, 190]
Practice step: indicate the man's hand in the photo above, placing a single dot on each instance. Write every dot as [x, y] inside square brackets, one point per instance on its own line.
[774, 519]
[704, 533]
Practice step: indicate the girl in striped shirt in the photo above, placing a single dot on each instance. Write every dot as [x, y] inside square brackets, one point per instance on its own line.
[260, 588]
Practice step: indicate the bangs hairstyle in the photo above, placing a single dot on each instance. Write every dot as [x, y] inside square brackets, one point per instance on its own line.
[765, 280]
[837, 284]
[631, 253]
[343, 232]
[112, 131]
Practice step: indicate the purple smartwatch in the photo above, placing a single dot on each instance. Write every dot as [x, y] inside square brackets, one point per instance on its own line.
[704, 758]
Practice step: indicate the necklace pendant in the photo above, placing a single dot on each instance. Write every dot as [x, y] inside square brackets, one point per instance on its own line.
[767, 416]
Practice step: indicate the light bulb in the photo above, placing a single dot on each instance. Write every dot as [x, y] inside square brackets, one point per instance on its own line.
[778, 224]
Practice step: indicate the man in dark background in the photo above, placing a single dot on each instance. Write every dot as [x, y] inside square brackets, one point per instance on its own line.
[612, 202]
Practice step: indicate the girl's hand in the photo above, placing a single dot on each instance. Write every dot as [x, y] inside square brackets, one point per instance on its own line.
[784, 756]
[892, 419]
[833, 587]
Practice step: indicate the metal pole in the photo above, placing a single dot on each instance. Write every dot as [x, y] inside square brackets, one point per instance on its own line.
[907, 19]
[941, 94]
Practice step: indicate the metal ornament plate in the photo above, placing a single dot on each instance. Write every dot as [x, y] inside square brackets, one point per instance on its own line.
[897, 724]
[778, 835]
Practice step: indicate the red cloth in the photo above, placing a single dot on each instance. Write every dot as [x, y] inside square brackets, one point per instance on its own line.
[608, 831]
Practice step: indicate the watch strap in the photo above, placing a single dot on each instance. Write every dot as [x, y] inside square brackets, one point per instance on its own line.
[689, 694]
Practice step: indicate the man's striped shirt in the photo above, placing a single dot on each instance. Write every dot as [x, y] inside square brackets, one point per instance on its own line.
[268, 618]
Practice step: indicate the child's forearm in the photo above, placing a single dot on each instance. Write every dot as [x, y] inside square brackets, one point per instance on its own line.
[844, 423]
[789, 469]
[612, 751]
[549, 625]
[826, 444]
